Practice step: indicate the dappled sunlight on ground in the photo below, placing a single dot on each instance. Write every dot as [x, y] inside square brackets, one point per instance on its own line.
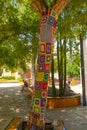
[63, 110]
[72, 115]
[1, 119]
[0, 97]
[85, 116]
[6, 96]
[13, 103]
[17, 93]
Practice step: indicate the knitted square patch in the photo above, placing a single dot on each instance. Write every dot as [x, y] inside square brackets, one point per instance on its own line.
[44, 85]
[43, 110]
[41, 68]
[47, 67]
[54, 14]
[43, 102]
[36, 109]
[42, 115]
[33, 127]
[46, 34]
[42, 48]
[36, 116]
[48, 58]
[46, 76]
[37, 101]
[41, 59]
[37, 94]
[43, 94]
[38, 85]
[48, 48]
[51, 20]
[43, 20]
[40, 76]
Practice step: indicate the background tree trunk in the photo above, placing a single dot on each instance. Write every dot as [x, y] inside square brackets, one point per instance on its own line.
[52, 77]
[61, 58]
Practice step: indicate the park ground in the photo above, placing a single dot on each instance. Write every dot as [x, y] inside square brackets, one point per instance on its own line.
[14, 103]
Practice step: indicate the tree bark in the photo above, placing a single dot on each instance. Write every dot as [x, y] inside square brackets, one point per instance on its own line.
[52, 77]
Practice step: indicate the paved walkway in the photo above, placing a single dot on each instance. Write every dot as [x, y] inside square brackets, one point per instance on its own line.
[13, 103]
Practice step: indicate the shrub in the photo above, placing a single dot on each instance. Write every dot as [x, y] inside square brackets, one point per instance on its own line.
[8, 77]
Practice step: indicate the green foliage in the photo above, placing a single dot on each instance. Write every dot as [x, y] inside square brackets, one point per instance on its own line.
[8, 77]
[73, 67]
[73, 70]
[50, 2]
[19, 23]
[72, 21]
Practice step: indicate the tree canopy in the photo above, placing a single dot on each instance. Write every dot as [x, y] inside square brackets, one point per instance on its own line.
[19, 26]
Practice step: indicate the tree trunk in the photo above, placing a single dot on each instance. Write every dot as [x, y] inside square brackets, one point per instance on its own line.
[61, 59]
[52, 77]
[33, 69]
[60, 68]
[64, 66]
[47, 27]
[39, 97]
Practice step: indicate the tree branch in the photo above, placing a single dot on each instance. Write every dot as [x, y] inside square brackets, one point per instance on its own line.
[39, 5]
[60, 5]
[43, 3]
[54, 3]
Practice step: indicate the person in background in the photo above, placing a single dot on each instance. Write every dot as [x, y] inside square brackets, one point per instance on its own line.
[68, 85]
[24, 86]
